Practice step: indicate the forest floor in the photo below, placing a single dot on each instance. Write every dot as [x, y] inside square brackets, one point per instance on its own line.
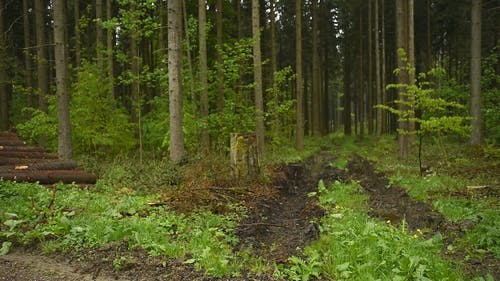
[282, 220]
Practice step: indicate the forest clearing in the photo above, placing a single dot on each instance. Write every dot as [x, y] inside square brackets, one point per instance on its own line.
[249, 140]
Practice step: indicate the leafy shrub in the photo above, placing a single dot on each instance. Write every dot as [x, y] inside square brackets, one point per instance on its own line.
[99, 124]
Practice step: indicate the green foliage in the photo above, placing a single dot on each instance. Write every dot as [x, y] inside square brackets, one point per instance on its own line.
[280, 114]
[423, 103]
[353, 246]
[41, 126]
[88, 219]
[491, 97]
[238, 113]
[99, 124]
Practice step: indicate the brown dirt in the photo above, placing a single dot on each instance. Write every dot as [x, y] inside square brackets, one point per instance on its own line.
[282, 219]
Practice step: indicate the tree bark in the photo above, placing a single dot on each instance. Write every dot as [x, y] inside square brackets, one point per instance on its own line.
[369, 101]
[361, 99]
[41, 53]
[50, 177]
[99, 33]
[175, 80]
[377, 72]
[28, 65]
[220, 71]
[257, 62]
[202, 41]
[475, 72]
[64, 147]
[4, 96]
[76, 15]
[298, 70]
[109, 47]
[274, 56]
[316, 91]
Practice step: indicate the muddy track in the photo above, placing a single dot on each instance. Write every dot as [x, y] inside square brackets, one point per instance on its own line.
[279, 225]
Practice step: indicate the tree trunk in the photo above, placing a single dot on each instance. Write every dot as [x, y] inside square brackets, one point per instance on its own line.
[298, 70]
[244, 156]
[385, 119]
[28, 71]
[202, 41]
[377, 72]
[41, 53]
[109, 47]
[361, 98]
[192, 91]
[274, 57]
[64, 147]
[369, 101]
[347, 90]
[404, 40]
[175, 80]
[220, 71]
[99, 33]
[4, 96]
[475, 72]
[257, 62]
[316, 92]
[76, 14]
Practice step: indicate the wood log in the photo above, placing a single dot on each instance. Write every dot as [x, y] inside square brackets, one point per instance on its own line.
[12, 142]
[11, 161]
[8, 135]
[28, 154]
[50, 177]
[21, 148]
[48, 165]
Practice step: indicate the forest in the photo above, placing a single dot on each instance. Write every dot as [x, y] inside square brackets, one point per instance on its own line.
[249, 140]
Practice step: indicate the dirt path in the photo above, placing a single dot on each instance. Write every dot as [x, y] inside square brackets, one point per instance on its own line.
[22, 266]
[286, 221]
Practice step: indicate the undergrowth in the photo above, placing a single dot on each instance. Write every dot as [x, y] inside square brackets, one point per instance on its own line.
[353, 246]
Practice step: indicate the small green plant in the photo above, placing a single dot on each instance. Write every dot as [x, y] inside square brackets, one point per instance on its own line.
[353, 246]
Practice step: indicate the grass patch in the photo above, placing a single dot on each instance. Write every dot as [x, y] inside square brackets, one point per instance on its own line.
[93, 218]
[353, 246]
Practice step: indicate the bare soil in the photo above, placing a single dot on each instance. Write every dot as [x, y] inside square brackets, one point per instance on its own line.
[282, 219]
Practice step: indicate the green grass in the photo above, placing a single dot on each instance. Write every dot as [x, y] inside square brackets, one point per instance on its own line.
[93, 218]
[353, 246]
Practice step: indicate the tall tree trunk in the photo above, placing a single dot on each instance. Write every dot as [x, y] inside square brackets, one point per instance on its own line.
[192, 92]
[316, 92]
[28, 71]
[109, 47]
[220, 71]
[4, 95]
[134, 87]
[64, 147]
[274, 57]
[175, 80]
[99, 33]
[202, 41]
[257, 62]
[347, 91]
[41, 53]
[76, 15]
[369, 101]
[298, 70]
[405, 41]
[385, 119]
[475, 72]
[361, 98]
[377, 71]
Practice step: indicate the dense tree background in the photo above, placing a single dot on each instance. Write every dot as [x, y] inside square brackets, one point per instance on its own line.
[118, 71]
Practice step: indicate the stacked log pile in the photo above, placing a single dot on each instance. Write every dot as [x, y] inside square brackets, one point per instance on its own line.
[22, 163]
